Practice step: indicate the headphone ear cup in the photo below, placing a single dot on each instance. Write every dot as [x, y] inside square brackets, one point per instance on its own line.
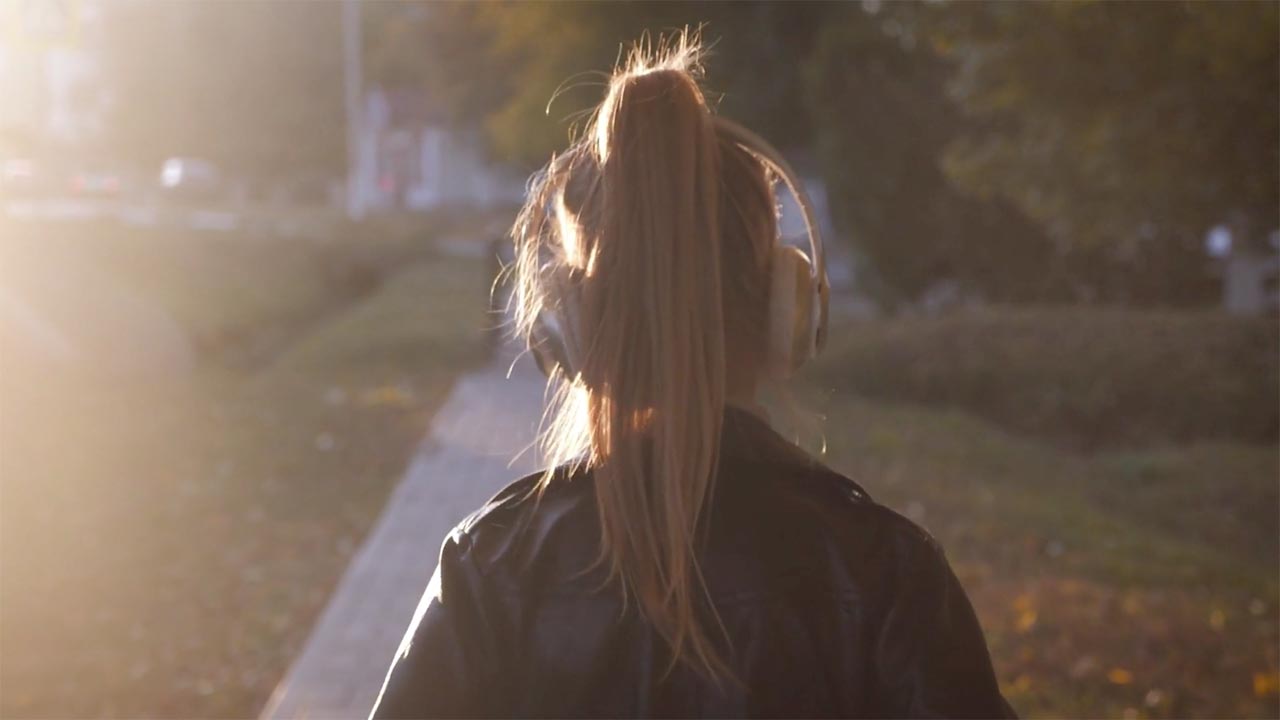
[791, 311]
[555, 340]
[547, 345]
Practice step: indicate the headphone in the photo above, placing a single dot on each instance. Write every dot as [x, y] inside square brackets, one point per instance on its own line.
[799, 290]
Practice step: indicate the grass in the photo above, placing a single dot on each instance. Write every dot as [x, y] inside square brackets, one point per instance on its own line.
[1138, 582]
[168, 539]
[400, 327]
[216, 288]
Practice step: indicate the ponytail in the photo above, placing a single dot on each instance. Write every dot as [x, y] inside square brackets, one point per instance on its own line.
[632, 211]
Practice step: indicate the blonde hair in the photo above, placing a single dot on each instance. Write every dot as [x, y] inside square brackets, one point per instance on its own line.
[663, 231]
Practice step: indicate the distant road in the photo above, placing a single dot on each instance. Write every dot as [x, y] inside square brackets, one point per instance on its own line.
[285, 221]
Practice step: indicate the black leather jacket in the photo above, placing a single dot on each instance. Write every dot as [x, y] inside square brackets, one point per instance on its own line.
[835, 605]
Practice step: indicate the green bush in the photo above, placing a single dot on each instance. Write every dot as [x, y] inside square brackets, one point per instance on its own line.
[1098, 377]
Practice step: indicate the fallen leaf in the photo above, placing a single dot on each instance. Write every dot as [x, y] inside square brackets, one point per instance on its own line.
[387, 396]
[1266, 683]
[1026, 620]
[1119, 676]
[1132, 604]
[1217, 619]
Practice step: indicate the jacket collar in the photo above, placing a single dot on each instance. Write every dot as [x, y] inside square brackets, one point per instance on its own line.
[747, 434]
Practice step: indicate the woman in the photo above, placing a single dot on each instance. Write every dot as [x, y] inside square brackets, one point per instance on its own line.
[681, 558]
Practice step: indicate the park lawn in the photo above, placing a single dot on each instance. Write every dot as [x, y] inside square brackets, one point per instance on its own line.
[218, 288]
[415, 320]
[1139, 582]
[169, 541]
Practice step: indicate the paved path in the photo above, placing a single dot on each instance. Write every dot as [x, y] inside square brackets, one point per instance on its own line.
[486, 421]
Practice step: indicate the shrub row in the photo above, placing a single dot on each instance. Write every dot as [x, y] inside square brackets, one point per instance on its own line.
[1100, 377]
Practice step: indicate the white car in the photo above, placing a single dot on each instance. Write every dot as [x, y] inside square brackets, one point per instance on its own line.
[190, 179]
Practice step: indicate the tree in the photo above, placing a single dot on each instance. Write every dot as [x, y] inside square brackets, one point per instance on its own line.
[444, 49]
[497, 65]
[1126, 129]
[877, 92]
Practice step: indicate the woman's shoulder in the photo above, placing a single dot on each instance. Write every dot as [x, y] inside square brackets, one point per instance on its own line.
[843, 495]
[552, 508]
[525, 496]
[545, 524]
[811, 507]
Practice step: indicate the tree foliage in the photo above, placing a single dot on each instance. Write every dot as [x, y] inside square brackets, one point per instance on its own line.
[527, 71]
[1125, 129]
[877, 92]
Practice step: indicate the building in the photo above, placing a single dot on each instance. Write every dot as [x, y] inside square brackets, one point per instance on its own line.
[1250, 274]
[408, 159]
[48, 70]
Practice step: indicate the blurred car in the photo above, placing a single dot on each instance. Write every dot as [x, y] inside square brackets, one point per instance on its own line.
[22, 178]
[96, 182]
[190, 180]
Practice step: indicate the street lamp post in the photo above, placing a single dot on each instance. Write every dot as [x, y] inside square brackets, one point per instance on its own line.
[351, 49]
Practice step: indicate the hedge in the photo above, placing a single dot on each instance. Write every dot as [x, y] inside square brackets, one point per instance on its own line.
[1096, 376]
